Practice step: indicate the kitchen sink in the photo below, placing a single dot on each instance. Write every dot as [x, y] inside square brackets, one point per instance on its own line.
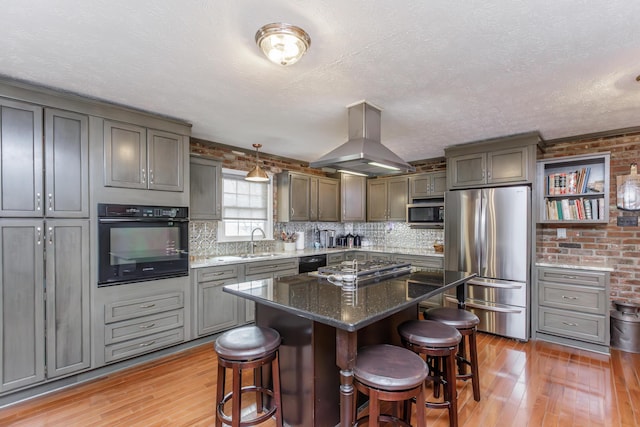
[226, 258]
[261, 255]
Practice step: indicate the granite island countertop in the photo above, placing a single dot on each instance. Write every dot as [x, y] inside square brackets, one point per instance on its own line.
[319, 300]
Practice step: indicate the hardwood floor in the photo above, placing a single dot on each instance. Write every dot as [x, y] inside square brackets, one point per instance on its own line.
[534, 383]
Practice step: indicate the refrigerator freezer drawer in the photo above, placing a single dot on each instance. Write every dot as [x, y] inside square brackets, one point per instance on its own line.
[497, 291]
[505, 320]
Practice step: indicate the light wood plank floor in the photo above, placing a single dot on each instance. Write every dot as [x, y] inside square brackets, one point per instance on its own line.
[534, 383]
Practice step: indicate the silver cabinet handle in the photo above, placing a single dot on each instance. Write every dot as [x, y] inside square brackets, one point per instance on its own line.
[569, 324]
[144, 176]
[565, 276]
[147, 305]
[501, 285]
[38, 235]
[293, 211]
[38, 199]
[50, 197]
[150, 176]
[50, 232]
[150, 325]
[147, 344]
[571, 298]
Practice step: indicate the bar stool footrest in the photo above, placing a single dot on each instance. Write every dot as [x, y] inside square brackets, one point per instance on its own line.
[257, 420]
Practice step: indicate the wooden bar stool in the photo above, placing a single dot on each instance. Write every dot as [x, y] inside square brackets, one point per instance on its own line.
[438, 343]
[467, 324]
[392, 374]
[248, 347]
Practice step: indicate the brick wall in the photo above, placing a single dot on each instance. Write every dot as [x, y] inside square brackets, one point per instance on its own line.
[617, 247]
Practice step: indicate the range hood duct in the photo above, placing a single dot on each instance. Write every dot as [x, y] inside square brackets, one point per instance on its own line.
[363, 147]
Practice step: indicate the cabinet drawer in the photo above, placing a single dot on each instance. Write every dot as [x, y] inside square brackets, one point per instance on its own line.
[577, 277]
[373, 256]
[142, 326]
[335, 258]
[129, 309]
[573, 297]
[587, 327]
[260, 267]
[217, 273]
[421, 261]
[143, 345]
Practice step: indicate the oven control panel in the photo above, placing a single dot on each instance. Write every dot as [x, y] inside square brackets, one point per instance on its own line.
[135, 211]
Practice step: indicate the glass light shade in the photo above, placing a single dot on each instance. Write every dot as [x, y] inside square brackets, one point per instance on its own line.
[283, 44]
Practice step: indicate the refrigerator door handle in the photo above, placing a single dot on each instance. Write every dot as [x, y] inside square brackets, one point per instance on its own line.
[494, 284]
[485, 307]
[483, 227]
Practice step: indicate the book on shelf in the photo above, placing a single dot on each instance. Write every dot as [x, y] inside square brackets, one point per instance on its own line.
[571, 209]
[575, 182]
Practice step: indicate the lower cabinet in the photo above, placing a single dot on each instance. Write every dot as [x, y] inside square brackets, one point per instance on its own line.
[573, 307]
[138, 326]
[216, 310]
[43, 338]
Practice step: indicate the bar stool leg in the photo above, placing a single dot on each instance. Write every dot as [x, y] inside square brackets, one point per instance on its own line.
[374, 408]
[451, 390]
[236, 400]
[220, 392]
[275, 373]
[475, 377]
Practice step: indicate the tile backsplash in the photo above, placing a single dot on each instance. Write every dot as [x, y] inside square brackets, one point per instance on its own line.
[203, 240]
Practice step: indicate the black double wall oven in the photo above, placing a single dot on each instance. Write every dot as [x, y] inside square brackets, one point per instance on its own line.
[141, 243]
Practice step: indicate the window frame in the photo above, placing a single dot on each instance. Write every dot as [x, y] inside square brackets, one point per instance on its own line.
[222, 237]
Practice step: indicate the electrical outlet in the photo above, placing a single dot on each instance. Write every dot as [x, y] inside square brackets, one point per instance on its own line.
[561, 233]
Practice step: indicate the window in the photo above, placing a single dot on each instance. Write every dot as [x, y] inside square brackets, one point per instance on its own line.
[245, 206]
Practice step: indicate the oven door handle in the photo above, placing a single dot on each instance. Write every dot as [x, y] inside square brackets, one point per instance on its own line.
[116, 220]
[496, 284]
[485, 307]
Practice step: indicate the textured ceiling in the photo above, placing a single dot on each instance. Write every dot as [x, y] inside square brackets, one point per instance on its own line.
[443, 71]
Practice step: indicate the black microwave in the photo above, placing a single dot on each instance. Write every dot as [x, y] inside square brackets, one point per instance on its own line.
[426, 213]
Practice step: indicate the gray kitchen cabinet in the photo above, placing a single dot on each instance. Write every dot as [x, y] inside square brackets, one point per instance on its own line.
[216, 310]
[269, 269]
[136, 326]
[387, 198]
[427, 185]
[137, 157]
[67, 296]
[357, 255]
[66, 154]
[335, 258]
[573, 307]
[294, 197]
[21, 157]
[498, 161]
[25, 314]
[205, 202]
[353, 198]
[324, 199]
[22, 292]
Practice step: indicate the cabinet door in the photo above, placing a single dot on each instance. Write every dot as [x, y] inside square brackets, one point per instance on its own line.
[22, 303]
[67, 272]
[20, 159]
[299, 197]
[397, 197]
[438, 184]
[467, 170]
[125, 155]
[165, 151]
[420, 185]
[507, 165]
[328, 199]
[353, 197]
[66, 143]
[205, 187]
[376, 200]
[314, 207]
[217, 310]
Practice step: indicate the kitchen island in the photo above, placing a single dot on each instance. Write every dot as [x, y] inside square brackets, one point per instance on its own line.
[323, 325]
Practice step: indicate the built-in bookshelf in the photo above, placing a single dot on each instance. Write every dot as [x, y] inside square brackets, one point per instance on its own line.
[574, 189]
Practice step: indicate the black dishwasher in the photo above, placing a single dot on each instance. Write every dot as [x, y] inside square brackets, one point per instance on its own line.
[310, 263]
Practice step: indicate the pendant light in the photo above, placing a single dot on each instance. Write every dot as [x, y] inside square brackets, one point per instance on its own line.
[257, 174]
[283, 44]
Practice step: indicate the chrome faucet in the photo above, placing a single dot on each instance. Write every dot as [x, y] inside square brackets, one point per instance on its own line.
[253, 244]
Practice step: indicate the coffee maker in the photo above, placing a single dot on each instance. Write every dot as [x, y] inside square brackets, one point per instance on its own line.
[328, 238]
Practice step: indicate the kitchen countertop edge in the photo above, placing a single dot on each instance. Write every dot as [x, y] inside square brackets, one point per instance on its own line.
[575, 267]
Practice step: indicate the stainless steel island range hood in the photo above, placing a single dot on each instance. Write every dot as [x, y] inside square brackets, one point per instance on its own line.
[363, 152]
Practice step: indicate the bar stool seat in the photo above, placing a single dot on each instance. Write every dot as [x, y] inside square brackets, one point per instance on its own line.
[248, 347]
[467, 324]
[393, 374]
[438, 343]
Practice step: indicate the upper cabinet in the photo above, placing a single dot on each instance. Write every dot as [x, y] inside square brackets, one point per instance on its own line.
[353, 198]
[387, 198]
[574, 189]
[137, 157]
[426, 185]
[501, 161]
[304, 197]
[37, 179]
[205, 189]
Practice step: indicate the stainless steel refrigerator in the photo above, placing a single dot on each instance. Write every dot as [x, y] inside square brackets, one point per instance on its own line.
[487, 231]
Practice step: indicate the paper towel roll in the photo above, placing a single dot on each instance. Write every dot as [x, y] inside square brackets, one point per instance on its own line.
[299, 240]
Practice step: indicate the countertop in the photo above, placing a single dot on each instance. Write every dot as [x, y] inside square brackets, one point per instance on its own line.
[319, 300]
[215, 259]
[575, 267]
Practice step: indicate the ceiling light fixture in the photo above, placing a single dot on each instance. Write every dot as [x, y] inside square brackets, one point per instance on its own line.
[257, 174]
[283, 44]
